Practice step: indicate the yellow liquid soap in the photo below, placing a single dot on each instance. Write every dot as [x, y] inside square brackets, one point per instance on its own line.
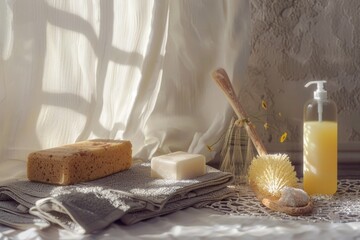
[320, 157]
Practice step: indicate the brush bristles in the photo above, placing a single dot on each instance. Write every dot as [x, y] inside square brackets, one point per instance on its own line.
[271, 173]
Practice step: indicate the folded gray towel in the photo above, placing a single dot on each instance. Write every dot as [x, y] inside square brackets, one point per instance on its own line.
[129, 196]
[16, 216]
[198, 202]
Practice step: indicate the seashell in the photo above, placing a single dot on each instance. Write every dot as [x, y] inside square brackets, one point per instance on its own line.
[270, 173]
[293, 197]
[293, 211]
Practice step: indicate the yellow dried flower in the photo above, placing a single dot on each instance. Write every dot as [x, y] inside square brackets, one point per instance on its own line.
[283, 137]
[264, 104]
[266, 126]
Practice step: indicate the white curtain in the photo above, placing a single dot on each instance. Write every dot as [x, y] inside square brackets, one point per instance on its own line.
[137, 70]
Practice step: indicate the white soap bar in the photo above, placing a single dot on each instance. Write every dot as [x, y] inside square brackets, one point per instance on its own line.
[178, 166]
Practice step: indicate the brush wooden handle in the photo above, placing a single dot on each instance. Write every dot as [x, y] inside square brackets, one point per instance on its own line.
[222, 79]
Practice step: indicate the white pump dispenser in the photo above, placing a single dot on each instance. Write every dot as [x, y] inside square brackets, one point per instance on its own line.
[320, 94]
[320, 143]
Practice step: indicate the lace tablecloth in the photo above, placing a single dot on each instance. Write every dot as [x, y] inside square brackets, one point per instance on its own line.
[343, 207]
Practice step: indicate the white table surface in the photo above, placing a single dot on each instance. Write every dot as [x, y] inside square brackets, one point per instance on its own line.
[205, 223]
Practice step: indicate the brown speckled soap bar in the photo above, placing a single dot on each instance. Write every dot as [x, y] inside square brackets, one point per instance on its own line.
[79, 162]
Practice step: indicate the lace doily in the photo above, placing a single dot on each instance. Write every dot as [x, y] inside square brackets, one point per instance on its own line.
[343, 207]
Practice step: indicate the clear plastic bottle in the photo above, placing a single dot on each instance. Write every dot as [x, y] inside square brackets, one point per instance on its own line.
[320, 143]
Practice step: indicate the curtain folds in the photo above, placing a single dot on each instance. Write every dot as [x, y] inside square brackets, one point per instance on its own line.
[137, 70]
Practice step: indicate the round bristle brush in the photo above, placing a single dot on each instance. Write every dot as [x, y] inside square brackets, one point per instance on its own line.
[271, 173]
[273, 179]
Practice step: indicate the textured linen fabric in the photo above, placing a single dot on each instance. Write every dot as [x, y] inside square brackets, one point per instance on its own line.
[199, 224]
[136, 70]
[90, 206]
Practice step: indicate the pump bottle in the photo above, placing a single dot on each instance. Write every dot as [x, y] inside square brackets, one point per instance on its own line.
[320, 143]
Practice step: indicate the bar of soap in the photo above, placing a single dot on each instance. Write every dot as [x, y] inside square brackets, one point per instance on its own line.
[178, 166]
[79, 162]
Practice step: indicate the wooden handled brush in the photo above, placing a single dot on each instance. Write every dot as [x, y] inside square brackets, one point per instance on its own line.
[278, 167]
[222, 79]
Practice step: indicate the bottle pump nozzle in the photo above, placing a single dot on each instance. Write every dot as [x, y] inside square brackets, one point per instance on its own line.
[320, 94]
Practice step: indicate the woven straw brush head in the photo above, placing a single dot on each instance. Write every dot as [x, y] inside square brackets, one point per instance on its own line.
[270, 173]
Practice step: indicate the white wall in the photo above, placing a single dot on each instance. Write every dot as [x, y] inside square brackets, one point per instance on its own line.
[297, 41]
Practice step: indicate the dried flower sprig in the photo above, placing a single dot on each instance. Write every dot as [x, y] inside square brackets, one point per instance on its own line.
[268, 126]
[211, 147]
